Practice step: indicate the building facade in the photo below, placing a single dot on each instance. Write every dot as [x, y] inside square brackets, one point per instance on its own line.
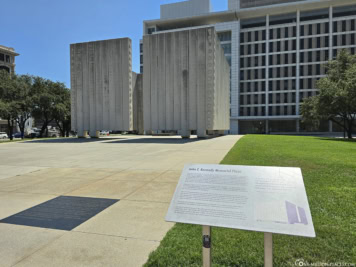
[277, 50]
[7, 58]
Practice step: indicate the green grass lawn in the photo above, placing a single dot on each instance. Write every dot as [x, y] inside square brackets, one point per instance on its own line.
[329, 170]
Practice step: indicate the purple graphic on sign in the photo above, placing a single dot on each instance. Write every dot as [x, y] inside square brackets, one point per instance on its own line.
[293, 213]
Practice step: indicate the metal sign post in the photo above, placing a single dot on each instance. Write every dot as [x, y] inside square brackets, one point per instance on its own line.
[268, 250]
[206, 246]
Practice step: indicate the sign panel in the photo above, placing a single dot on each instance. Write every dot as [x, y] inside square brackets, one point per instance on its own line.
[263, 199]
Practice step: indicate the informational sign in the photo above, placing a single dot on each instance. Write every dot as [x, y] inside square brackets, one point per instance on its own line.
[263, 199]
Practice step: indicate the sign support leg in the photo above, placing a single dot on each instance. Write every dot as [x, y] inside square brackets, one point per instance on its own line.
[206, 246]
[268, 250]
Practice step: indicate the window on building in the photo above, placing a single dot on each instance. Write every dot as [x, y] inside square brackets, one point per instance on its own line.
[344, 11]
[286, 32]
[227, 48]
[301, 44]
[302, 30]
[283, 19]
[263, 35]
[343, 39]
[326, 41]
[141, 69]
[151, 30]
[353, 39]
[263, 48]
[294, 31]
[253, 23]
[302, 57]
[141, 59]
[318, 42]
[141, 48]
[310, 83]
[278, 46]
[7, 58]
[294, 44]
[301, 84]
[314, 14]
[310, 29]
[318, 28]
[335, 26]
[279, 33]
[286, 45]
[271, 35]
[225, 36]
[310, 56]
[335, 40]
[256, 36]
[249, 37]
[344, 26]
[2, 57]
[242, 37]
[352, 25]
[310, 43]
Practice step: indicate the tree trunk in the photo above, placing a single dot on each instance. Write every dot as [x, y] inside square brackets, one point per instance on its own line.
[10, 125]
[44, 127]
[349, 130]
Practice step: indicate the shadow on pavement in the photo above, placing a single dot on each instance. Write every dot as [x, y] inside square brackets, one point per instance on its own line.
[70, 140]
[149, 140]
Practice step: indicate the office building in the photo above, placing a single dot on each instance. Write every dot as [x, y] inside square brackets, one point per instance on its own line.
[277, 50]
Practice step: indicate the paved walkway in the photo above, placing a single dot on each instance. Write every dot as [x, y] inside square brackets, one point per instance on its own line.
[140, 171]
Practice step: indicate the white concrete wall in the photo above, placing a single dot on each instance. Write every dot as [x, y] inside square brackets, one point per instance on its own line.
[186, 82]
[185, 9]
[234, 4]
[101, 82]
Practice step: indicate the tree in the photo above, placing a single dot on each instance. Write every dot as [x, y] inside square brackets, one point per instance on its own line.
[62, 109]
[336, 100]
[43, 101]
[8, 100]
[23, 84]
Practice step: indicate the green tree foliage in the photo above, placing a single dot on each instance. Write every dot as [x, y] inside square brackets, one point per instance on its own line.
[336, 100]
[24, 96]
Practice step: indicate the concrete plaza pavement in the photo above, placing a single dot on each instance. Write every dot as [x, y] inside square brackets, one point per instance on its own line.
[141, 171]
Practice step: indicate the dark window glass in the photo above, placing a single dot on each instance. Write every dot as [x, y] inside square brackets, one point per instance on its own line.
[310, 29]
[326, 40]
[344, 39]
[352, 25]
[353, 39]
[327, 27]
[344, 11]
[314, 15]
[286, 47]
[335, 26]
[294, 58]
[2, 57]
[286, 32]
[302, 57]
[256, 36]
[310, 56]
[249, 37]
[301, 85]
[271, 34]
[263, 35]
[242, 61]
[141, 59]
[294, 43]
[283, 19]
[344, 26]
[253, 23]
[7, 58]
[294, 31]
[318, 28]
[141, 69]
[310, 43]
[242, 50]
[335, 40]
[263, 48]
[318, 42]
[301, 44]
[302, 30]
[310, 83]
[242, 37]
[141, 48]
[278, 33]
[278, 46]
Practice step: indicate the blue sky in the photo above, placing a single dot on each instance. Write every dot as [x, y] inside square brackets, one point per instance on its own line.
[41, 30]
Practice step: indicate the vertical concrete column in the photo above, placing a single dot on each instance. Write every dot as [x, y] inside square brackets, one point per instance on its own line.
[331, 33]
[297, 84]
[267, 66]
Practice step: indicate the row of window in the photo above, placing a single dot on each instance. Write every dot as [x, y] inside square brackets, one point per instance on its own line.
[342, 11]
[305, 30]
[278, 85]
[273, 111]
[5, 58]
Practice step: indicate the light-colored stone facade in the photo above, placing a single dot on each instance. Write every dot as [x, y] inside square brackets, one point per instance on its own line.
[185, 83]
[7, 58]
[102, 86]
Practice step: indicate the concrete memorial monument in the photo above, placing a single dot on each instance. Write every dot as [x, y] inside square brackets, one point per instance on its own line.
[186, 83]
[102, 86]
[263, 199]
